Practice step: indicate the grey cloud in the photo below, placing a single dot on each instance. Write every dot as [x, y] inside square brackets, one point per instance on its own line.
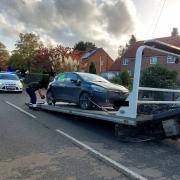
[35, 14]
[75, 10]
[117, 18]
[69, 21]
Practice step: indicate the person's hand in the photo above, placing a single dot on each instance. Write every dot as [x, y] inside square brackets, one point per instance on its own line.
[42, 97]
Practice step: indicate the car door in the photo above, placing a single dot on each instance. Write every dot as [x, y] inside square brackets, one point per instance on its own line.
[72, 87]
[59, 87]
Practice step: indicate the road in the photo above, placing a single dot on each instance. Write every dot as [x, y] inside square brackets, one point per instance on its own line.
[30, 148]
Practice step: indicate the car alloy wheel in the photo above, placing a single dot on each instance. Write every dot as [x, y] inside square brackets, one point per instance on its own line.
[84, 101]
[49, 98]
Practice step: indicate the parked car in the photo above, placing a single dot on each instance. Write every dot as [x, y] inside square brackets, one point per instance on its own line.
[84, 89]
[10, 82]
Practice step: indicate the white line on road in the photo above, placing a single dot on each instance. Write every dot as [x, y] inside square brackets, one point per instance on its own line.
[20, 109]
[113, 163]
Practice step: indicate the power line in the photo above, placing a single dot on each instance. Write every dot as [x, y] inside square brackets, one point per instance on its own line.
[158, 17]
[153, 19]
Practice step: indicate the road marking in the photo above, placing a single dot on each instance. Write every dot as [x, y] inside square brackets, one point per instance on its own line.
[113, 163]
[20, 109]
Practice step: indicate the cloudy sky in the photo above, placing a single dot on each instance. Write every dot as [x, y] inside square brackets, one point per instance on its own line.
[107, 23]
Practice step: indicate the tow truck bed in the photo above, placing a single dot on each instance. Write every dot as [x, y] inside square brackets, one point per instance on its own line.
[96, 114]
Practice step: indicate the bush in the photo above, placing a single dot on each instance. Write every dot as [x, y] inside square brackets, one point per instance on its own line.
[125, 77]
[158, 76]
[92, 68]
[116, 80]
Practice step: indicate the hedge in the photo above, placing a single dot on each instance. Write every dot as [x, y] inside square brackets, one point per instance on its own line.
[36, 77]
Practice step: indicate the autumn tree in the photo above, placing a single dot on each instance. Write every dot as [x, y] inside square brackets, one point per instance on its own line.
[4, 56]
[58, 56]
[40, 61]
[25, 49]
[84, 46]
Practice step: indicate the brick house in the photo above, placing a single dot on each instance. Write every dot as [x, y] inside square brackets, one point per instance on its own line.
[99, 57]
[150, 57]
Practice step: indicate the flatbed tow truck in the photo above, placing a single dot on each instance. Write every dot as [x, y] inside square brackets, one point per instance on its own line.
[130, 125]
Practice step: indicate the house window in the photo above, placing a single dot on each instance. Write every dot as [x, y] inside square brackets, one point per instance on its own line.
[170, 59]
[153, 60]
[125, 62]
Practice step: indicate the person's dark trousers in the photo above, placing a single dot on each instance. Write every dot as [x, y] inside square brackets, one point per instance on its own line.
[32, 95]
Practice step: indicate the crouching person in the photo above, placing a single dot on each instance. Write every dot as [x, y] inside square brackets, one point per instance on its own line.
[31, 91]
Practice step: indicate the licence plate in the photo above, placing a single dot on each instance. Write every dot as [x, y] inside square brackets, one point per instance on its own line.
[10, 88]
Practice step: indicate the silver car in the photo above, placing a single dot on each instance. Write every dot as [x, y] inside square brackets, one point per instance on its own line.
[10, 82]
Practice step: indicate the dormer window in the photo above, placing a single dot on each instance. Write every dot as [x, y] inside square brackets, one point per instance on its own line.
[125, 62]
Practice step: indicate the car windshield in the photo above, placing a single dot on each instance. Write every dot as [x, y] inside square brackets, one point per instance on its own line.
[8, 77]
[92, 77]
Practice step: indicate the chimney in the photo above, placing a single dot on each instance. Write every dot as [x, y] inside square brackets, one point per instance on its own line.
[174, 32]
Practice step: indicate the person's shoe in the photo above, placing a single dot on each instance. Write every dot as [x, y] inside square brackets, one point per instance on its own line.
[34, 105]
[34, 108]
[28, 104]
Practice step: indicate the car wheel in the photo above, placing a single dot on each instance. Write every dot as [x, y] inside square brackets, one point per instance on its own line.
[84, 101]
[49, 98]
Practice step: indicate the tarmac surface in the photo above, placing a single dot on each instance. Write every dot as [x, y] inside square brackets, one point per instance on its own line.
[30, 148]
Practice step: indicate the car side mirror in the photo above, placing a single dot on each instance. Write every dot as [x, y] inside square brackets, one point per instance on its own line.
[73, 80]
[78, 82]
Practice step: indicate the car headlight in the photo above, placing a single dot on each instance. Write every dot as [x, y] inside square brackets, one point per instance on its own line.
[20, 84]
[98, 88]
[1, 83]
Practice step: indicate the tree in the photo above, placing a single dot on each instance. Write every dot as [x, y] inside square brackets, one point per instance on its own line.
[25, 49]
[122, 49]
[58, 58]
[16, 62]
[40, 61]
[84, 46]
[158, 76]
[92, 68]
[4, 56]
[125, 78]
[132, 40]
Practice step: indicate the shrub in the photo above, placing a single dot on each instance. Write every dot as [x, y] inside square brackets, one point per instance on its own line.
[36, 77]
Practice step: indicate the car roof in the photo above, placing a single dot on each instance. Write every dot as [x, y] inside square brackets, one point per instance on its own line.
[81, 73]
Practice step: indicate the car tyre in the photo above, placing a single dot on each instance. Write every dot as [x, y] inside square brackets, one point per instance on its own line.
[84, 101]
[50, 99]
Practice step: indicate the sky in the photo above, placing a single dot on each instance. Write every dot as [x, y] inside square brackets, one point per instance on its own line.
[107, 23]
